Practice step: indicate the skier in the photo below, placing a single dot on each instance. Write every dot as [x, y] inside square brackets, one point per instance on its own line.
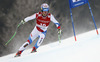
[43, 19]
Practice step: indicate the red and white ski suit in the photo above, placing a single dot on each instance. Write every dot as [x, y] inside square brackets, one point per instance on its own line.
[40, 29]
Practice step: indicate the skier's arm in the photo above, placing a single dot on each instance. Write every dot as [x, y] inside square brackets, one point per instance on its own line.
[30, 18]
[55, 21]
[57, 24]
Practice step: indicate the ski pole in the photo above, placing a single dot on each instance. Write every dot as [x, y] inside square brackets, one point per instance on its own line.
[59, 37]
[13, 35]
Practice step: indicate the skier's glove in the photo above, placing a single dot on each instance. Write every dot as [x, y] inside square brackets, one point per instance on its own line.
[22, 21]
[59, 31]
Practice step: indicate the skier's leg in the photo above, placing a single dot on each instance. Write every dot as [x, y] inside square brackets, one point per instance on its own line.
[32, 36]
[21, 49]
[39, 41]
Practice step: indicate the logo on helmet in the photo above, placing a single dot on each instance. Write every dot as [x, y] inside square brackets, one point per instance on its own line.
[45, 6]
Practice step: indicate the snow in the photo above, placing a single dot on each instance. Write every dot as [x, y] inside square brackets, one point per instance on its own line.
[85, 49]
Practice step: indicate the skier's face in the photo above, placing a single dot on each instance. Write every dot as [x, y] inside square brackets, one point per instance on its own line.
[44, 13]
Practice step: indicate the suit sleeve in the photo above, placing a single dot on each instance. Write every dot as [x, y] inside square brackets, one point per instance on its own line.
[30, 18]
[55, 21]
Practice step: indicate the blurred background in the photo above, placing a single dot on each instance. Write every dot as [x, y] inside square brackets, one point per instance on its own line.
[13, 11]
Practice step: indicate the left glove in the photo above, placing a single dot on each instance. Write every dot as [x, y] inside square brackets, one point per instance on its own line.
[22, 21]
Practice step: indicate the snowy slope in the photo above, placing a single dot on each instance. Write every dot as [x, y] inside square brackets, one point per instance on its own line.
[86, 49]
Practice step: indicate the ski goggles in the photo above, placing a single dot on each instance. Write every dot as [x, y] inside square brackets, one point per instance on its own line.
[45, 9]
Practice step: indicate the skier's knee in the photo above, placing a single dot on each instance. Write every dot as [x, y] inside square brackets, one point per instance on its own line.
[25, 45]
[29, 40]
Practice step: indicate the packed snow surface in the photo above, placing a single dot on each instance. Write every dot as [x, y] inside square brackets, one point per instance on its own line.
[85, 49]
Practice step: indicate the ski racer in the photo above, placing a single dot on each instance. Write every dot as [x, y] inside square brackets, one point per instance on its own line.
[43, 20]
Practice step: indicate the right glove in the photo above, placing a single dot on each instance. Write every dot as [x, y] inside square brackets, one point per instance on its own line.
[22, 21]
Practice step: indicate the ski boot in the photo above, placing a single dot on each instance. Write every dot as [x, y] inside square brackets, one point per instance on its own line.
[33, 50]
[18, 54]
